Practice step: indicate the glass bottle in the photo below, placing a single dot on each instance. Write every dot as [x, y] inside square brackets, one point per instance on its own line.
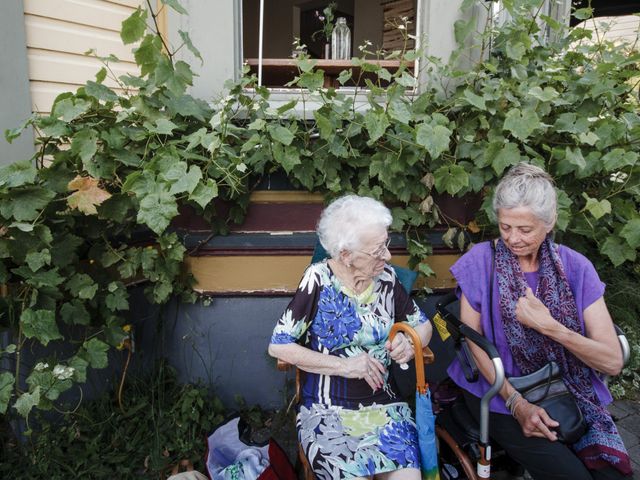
[341, 40]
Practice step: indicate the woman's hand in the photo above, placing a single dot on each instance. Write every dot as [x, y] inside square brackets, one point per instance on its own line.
[401, 349]
[532, 313]
[367, 368]
[534, 420]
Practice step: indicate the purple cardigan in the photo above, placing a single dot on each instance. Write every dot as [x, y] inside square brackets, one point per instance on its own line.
[472, 272]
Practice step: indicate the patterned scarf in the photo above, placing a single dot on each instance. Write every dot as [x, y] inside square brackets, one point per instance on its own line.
[601, 445]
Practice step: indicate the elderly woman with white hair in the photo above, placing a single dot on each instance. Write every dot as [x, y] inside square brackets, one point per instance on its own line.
[538, 301]
[351, 423]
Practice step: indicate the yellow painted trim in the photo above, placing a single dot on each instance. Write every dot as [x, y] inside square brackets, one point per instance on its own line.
[285, 196]
[162, 20]
[282, 273]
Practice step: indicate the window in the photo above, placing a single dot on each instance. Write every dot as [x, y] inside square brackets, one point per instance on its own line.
[283, 21]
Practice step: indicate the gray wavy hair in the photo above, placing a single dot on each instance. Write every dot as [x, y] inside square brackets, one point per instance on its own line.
[343, 222]
[526, 185]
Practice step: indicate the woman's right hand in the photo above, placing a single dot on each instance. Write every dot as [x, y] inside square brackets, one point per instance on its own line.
[534, 420]
[367, 368]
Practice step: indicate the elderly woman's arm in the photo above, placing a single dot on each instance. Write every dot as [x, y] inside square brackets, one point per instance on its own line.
[599, 348]
[535, 421]
[361, 366]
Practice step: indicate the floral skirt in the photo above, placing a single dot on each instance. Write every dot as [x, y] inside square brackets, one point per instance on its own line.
[342, 443]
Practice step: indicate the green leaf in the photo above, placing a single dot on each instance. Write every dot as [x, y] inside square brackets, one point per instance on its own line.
[157, 210]
[187, 182]
[564, 210]
[175, 4]
[117, 299]
[288, 157]
[52, 127]
[96, 353]
[6, 389]
[148, 54]
[406, 80]
[325, 127]
[36, 260]
[162, 126]
[101, 92]
[204, 193]
[521, 124]
[281, 134]
[451, 179]
[134, 27]
[376, 124]
[398, 110]
[286, 107]
[597, 208]
[475, 100]
[574, 157]
[25, 402]
[82, 286]
[186, 39]
[41, 278]
[617, 251]
[85, 144]
[546, 95]
[583, 13]
[24, 203]
[312, 81]
[618, 158]
[40, 324]
[462, 29]
[507, 156]
[434, 138]
[80, 365]
[70, 109]
[74, 313]
[631, 232]
[345, 76]
[101, 75]
[17, 174]
[515, 50]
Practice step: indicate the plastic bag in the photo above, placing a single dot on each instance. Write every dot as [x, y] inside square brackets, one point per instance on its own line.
[229, 458]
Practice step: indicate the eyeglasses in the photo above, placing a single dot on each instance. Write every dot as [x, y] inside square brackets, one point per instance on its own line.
[380, 252]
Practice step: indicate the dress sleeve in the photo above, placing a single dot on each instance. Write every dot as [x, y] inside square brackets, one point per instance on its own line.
[406, 310]
[583, 278]
[298, 315]
[468, 271]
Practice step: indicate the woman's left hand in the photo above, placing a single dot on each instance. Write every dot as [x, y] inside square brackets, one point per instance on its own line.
[401, 350]
[532, 313]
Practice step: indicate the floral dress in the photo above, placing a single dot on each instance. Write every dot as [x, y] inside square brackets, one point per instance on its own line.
[346, 429]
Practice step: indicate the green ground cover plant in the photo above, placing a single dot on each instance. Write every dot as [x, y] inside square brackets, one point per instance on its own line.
[91, 213]
[161, 423]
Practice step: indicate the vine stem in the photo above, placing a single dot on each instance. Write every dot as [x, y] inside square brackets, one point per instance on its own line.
[154, 17]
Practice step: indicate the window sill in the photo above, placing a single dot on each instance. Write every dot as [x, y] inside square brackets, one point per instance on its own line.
[276, 72]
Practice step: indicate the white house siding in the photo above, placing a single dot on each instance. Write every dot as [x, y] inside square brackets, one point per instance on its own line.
[621, 29]
[59, 32]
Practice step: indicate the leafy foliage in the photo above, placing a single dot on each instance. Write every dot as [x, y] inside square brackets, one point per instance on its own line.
[93, 211]
[162, 423]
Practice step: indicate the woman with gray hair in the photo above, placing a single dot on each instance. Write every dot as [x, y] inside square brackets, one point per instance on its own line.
[538, 301]
[351, 423]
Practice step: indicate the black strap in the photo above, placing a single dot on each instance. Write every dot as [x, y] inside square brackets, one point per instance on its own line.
[493, 270]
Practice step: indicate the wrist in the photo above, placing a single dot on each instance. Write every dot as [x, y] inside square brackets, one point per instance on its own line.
[512, 401]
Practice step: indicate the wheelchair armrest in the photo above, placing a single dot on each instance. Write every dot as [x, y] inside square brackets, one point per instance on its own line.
[624, 344]
[626, 351]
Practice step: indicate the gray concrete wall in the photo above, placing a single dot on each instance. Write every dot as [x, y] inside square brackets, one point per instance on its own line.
[215, 28]
[15, 101]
